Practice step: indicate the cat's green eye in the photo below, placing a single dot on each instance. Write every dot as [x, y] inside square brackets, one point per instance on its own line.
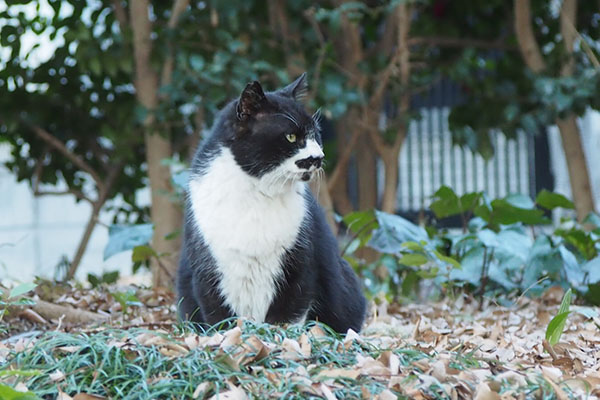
[291, 137]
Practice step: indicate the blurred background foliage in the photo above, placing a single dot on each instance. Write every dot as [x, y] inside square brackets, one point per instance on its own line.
[130, 83]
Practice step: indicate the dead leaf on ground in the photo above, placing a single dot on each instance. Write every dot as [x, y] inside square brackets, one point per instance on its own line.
[234, 393]
[232, 337]
[201, 389]
[87, 396]
[57, 376]
[483, 392]
[337, 373]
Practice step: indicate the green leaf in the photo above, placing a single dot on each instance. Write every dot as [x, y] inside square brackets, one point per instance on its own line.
[447, 259]
[555, 328]
[107, 277]
[8, 393]
[446, 203]
[557, 324]
[142, 253]
[21, 289]
[127, 299]
[550, 201]
[393, 231]
[409, 283]
[512, 210]
[520, 201]
[428, 274]
[581, 240]
[413, 259]
[414, 246]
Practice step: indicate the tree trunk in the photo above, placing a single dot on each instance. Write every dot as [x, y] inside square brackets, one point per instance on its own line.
[164, 212]
[390, 187]
[577, 166]
[569, 131]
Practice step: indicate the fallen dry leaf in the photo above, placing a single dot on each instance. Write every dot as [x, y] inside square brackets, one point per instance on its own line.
[232, 337]
[201, 389]
[291, 350]
[560, 394]
[386, 394]
[327, 393]
[483, 392]
[337, 373]
[305, 346]
[234, 393]
[86, 396]
[56, 376]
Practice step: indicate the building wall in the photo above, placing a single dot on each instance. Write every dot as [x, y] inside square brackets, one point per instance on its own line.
[36, 232]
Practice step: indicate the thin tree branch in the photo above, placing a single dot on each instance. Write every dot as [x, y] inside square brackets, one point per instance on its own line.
[167, 70]
[383, 79]
[39, 168]
[77, 193]
[586, 47]
[120, 14]
[568, 15]
[404, 22]
[178, 8]
[530, 50]
[96, 207]
[60, 146]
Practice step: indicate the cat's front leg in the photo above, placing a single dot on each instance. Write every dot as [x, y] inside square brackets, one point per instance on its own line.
[211, 303]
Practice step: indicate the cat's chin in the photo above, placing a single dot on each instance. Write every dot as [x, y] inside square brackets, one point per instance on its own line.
[306, 177]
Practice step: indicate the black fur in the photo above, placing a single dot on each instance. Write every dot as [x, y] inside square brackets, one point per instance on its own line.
[315, 277]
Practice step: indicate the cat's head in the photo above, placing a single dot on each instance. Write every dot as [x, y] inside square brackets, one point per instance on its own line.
[275, 139]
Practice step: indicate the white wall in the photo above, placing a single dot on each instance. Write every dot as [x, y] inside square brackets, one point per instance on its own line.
[35, 232]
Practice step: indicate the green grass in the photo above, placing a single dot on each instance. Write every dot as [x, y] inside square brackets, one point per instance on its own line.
[136, 371]
[143, 372]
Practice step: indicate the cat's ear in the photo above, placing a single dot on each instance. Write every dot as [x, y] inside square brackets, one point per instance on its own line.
[297, 89]
[251, 101]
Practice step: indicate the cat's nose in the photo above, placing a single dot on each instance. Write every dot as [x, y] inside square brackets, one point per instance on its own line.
[307, 163]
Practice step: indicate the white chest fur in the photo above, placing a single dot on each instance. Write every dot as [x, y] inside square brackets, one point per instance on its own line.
[246, 231]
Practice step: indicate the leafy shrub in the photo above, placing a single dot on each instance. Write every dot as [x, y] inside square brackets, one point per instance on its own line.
[505, 245]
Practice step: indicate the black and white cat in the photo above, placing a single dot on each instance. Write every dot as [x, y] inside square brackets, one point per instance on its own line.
[256, 243]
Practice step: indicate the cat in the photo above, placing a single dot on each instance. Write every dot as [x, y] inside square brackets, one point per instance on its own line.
[256, 243]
